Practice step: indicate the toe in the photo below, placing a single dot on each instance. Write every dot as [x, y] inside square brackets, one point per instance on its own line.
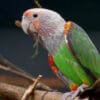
[67, 95]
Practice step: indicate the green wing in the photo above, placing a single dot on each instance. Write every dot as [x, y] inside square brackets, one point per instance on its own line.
[84, 48]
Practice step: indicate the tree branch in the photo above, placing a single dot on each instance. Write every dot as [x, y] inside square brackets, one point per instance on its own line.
[11, 92]
[23, 82]
[14, 88]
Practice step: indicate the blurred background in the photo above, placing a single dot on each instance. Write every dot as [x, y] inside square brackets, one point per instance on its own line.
[18, 47]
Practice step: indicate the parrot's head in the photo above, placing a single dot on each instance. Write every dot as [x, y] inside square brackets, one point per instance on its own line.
[42, 21]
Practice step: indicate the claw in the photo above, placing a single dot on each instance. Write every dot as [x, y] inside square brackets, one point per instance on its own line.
[67, 95]
[73, 94]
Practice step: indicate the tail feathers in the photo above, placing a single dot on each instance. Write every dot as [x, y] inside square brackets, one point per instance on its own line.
[92, 93]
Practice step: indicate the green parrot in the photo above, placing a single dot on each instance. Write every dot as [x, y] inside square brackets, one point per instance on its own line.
[72, 55]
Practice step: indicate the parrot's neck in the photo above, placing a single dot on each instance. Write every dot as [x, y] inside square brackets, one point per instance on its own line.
[53, 41]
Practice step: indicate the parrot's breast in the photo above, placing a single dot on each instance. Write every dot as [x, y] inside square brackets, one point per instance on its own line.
[53, 42]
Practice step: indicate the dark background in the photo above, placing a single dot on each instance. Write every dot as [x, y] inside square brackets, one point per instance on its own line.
[18, 47]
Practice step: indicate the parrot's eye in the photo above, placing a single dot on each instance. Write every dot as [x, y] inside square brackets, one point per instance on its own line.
[35, 15]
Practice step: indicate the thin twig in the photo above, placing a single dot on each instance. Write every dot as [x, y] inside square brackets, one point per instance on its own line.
[18, 23]
[37, 4]
[30, 89]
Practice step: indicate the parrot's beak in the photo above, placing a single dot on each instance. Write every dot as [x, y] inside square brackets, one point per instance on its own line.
[27, 26]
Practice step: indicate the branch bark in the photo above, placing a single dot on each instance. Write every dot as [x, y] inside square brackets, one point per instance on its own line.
[11, 92]
[23, 82]
[15, 87]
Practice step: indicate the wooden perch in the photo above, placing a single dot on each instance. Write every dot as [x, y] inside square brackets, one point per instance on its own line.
[11, 92]
[8, 66]
[15, 91]
[20, 81]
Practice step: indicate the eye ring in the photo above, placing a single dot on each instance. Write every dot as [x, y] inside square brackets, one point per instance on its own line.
[35, 15]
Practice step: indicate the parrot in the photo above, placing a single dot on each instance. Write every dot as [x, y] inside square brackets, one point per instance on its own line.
[72, 56]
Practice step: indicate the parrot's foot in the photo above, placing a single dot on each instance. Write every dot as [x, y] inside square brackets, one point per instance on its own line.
[73, 94]
[30, 89]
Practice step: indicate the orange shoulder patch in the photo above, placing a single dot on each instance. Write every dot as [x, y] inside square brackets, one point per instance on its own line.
[67, 27]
